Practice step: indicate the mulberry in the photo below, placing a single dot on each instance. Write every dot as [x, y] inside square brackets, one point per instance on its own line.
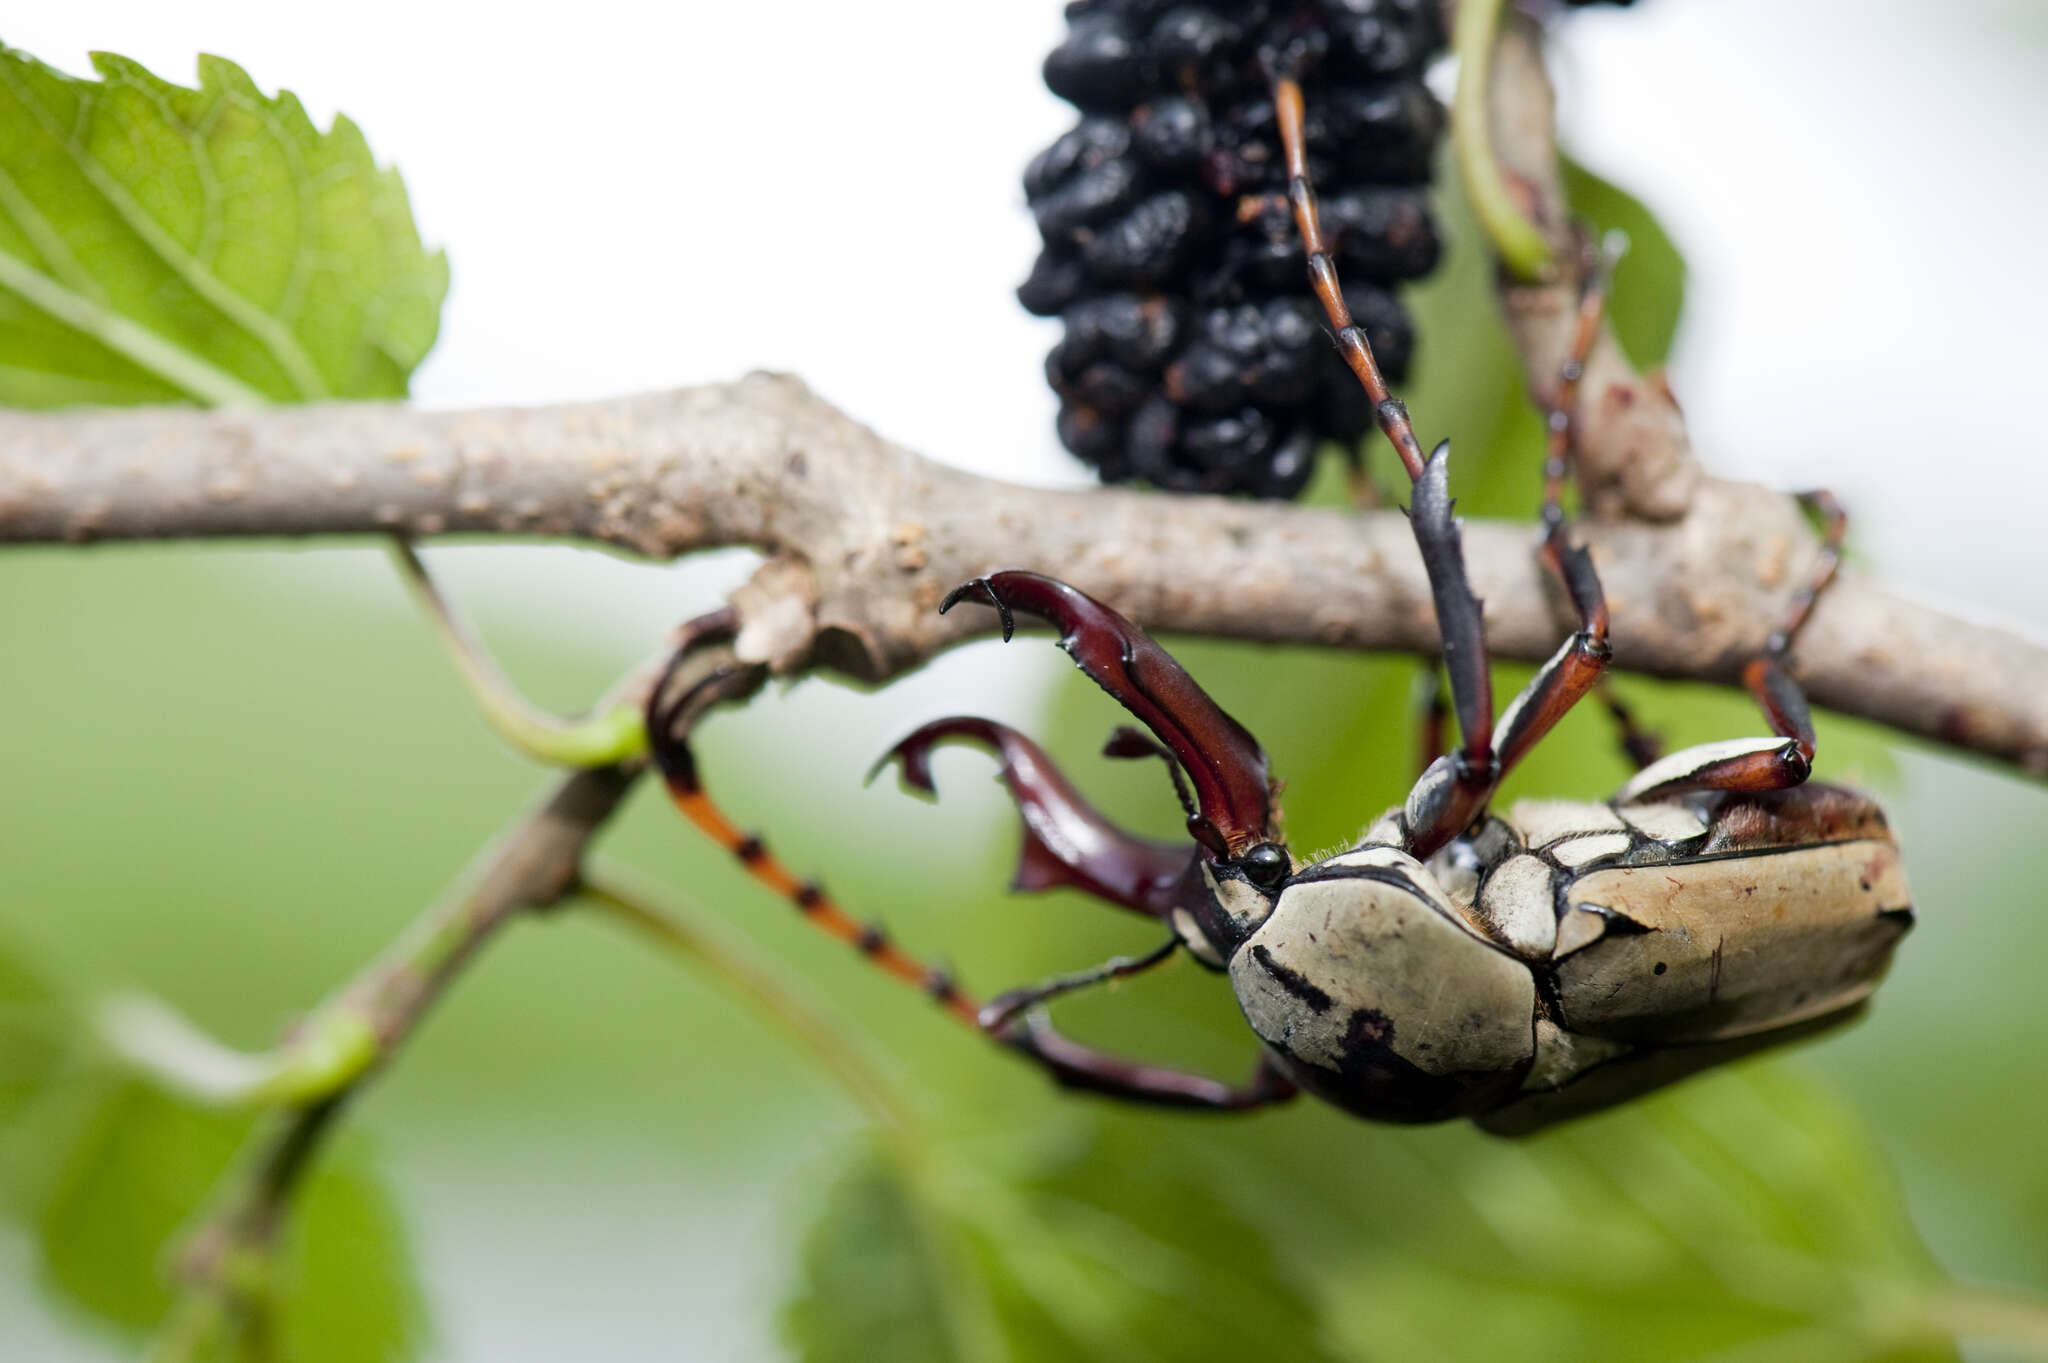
[1193, 356]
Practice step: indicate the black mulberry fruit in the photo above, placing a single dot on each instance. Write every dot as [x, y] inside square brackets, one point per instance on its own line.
[1194, 357]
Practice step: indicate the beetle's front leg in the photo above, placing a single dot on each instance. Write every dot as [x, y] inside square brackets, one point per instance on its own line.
[1075, 1066]
[1067, 841]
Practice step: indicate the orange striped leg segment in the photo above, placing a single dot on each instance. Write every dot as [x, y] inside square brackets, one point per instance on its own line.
[1322, 275]
[870, 939]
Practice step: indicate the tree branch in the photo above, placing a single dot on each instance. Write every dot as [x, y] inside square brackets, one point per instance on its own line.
[866, 537]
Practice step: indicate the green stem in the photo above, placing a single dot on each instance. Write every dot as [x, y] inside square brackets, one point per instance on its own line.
[601, 739]
[331, 1049]
[970, 1317]
[1518, 242]
[756, 987]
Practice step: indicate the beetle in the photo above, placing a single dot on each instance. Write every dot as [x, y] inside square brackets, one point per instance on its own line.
[1517, 968]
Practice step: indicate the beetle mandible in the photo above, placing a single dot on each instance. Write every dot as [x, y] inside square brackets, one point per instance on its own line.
[1517, 968]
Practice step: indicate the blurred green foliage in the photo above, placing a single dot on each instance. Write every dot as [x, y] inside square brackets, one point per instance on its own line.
[233, 784]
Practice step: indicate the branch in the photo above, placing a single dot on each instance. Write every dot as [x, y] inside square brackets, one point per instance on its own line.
[866, 537]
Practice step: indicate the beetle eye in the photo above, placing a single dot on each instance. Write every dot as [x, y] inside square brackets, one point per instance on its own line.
[1265, 865]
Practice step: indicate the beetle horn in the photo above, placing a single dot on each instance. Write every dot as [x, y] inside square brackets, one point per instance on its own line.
[1227, 767]
[1067, 841]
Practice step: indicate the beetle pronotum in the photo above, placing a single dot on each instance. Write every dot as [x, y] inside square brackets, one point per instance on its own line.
[1516, 968]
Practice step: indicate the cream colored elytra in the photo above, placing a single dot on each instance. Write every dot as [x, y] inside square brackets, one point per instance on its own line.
[1568, 956]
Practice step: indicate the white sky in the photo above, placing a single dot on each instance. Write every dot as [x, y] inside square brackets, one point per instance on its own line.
[636, 196]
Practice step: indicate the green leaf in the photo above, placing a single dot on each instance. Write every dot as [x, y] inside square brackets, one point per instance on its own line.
[160, 244]
[107, 1174]
[1741, 1214]
[873, 1284]
[1090, 1255]
[1649, 284]
[34, 1034]
[139, 1166]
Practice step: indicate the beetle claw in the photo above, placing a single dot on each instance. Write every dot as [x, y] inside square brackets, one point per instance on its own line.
[984, 590]
[1067, 842]
[1232, 787]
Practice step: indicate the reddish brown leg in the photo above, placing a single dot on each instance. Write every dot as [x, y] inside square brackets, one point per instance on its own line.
[1078, 1067]
[998, 1013]
[1639, 745]
[1761, 763]
[1429, 717]
[1561, 436]
[1454, 789]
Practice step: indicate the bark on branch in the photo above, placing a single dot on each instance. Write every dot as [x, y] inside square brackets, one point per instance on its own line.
[865, 537]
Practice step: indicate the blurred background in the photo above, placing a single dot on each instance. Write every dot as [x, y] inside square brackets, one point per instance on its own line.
[235, 771]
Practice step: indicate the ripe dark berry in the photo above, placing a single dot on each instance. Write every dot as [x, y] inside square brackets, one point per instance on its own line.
[1194, 357]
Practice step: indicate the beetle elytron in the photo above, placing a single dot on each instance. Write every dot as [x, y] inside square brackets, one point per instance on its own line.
[1516, 968]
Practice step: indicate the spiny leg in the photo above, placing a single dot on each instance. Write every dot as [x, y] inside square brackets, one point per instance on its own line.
[1581, 664]
[1755, 764]
[999, 1012]
[1351, 341]
[1455, 788]
[1032, 1036]
[1560, 424]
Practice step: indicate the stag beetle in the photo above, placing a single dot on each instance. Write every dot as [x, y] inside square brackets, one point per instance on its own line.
[1516, 968]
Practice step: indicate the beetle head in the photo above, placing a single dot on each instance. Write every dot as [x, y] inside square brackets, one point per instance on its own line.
[1234, 816]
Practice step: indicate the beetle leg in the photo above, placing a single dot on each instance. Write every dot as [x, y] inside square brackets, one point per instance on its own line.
[1429, 717]
[1124, 741]
[1574, 668]
[1761, 763]
[1453, 790]
[1075, 1066]
[1560, 441]
[666, 720]
[1066, 840]
[1639, 745]
[998, 1013]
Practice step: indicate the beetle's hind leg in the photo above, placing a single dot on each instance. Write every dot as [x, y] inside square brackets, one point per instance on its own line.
[1782, 761]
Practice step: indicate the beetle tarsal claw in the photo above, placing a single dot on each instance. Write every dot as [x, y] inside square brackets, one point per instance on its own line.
[985, 591]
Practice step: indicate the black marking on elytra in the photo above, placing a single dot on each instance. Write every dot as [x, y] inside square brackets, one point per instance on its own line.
[1293, 982]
